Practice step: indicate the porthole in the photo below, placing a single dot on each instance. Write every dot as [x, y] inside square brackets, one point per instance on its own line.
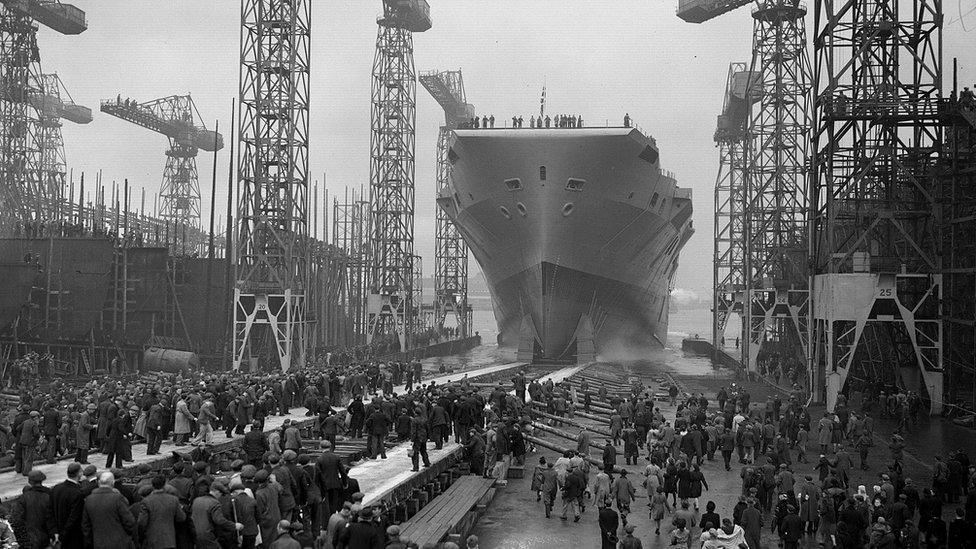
[513, 184]
[521, 209]
[505, 213]
[542, 173]
[567, 209]
[629, 196]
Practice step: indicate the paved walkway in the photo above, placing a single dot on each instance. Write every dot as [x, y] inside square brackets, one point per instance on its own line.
[12, 484]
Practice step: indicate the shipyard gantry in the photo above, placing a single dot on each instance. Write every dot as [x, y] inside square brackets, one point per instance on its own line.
[177, 118]
[391, 310]
[451, 253]
[843, 232]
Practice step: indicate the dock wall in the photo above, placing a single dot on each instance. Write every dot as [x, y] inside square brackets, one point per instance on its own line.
[446, 348]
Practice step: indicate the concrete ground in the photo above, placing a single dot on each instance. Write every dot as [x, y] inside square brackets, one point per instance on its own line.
[515, 520]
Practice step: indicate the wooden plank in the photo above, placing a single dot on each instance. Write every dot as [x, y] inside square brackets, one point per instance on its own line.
[455, 503]
[466, 494]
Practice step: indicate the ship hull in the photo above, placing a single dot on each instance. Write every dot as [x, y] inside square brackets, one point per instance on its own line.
[576, 231]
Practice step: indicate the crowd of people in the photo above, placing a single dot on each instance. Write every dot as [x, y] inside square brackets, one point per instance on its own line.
[273, 491]
[764, 442]
[542, 121]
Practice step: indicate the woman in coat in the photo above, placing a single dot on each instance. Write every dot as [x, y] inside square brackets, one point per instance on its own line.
[671, 480]
[697, 481]
[659, 507]
[684, 481]
[809, 498]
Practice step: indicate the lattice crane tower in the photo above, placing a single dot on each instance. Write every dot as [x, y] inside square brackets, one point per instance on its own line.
[875, 255]
[56, 104]
[173, 117]
[270, 310]
[729, 230]
[778, 312]
[775, 298]
[451, 253]
[23, 196]
[394, 104]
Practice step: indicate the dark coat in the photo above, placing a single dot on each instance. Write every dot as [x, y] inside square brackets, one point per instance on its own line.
[208, 521]
[51, 422]
[255, 444]
[107, 520]
[359, 535]
[609, 522]
[160, 513]
[34, 512]
[68, 502]
[331, 474]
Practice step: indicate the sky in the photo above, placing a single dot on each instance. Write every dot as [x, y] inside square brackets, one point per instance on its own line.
[597, 58]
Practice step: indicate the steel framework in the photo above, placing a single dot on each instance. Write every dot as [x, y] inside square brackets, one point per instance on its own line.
[451, 253]
[874, 236]
[776, 280]
[25, 195]
[173, 117]
[728, 262]
[394, 107]
[22, 195]
[349, 234]
[957, 176]
[270, 319]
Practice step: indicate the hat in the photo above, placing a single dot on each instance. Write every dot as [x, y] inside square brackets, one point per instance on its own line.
[236, 483]
[261, 476]
[237, 464]
[89, 470]
[289, 455]
[36, 477]
[248, 471]
[200, 466]
[366, 513]
[393, 530]
[296, 526]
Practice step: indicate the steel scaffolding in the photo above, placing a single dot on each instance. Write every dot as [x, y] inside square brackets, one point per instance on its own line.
[349, 235]
[270, 320]
[776, 314]
[957, 177]
[394, 103]
[451, 253]
[874, 239]
[26, 195]
[728, 262]
[22, 194]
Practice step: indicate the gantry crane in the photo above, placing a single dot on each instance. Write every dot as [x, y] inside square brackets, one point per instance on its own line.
[271, 318]
[729, 253]
[391, 310]
[875, 202]
[173, 117]
[54, 104]
[776, 296]
[451, 253]
[22, 192]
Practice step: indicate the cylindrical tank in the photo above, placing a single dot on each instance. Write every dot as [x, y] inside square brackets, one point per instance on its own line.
[156, 359]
